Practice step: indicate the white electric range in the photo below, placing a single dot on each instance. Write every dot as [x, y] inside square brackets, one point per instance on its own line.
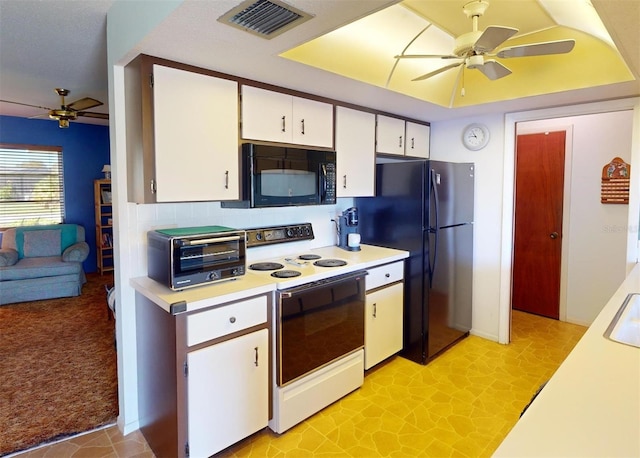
[318, 312]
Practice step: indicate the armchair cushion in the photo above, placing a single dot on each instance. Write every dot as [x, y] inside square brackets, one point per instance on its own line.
[76, 252]
[8, 257]
[42, 243]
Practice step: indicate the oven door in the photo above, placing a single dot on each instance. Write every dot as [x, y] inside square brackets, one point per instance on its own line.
[207, 254]
[318, 323]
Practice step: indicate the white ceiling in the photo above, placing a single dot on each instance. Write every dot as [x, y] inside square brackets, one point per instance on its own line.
[61, 43]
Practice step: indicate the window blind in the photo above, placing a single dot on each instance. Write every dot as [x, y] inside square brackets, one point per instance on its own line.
[31, 185]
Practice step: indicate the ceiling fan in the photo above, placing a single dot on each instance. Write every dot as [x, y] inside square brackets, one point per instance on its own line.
[474, 49]
[68, 112]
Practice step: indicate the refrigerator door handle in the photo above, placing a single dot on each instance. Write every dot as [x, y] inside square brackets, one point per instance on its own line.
[433, 228]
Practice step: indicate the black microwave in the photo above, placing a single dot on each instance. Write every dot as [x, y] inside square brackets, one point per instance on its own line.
[280, 176]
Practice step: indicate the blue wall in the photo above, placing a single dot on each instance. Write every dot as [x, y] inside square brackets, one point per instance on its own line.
[85, 149]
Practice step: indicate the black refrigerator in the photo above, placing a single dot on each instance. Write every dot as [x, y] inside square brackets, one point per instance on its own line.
[426, 207]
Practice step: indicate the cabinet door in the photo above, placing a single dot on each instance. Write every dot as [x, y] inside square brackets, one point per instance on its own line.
[228, 392]
[196, 136]
[383, 324]
[266, 115]
[417, 140]
[356, 157]
[390, 135]
[312, 123]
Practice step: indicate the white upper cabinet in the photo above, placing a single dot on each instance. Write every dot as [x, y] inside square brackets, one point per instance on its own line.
[355, 151]
[417, 143]
[277, 117]
[395, 136]
[390, 135]
[195, 135]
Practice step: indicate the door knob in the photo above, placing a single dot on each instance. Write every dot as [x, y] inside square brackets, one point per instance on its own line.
[553, 235]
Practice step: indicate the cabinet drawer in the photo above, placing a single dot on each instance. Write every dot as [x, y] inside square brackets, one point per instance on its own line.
[225, 320]
[383, 275]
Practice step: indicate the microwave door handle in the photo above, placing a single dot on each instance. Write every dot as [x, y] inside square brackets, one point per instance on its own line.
[211, 240]
[324, 182]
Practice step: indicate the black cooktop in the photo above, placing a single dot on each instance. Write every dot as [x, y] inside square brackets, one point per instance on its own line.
[309, 257]
[285, 273]
[330, 263]
[266, 266]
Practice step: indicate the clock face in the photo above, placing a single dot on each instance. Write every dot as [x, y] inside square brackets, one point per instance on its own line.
[475, 136]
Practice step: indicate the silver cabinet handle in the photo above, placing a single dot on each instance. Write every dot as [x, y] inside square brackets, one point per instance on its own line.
[344, 181]
[375, 309]
[302, 122]
[284, 124]
[232, 319]
[413, 140]
[553, 235]
[400, 141]
[256, 361]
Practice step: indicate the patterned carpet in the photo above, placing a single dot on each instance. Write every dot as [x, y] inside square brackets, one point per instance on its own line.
[57, 367]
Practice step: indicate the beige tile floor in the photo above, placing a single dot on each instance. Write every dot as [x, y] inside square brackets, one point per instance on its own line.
[462, 404]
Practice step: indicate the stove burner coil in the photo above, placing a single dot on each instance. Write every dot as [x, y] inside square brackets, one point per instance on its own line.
[285, 273]
[266, 266]
[309, 257]
[330, 263]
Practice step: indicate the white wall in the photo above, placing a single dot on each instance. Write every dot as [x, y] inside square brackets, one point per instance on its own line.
[446, 145]
[127, 24]
[596, 235]
[494, 206]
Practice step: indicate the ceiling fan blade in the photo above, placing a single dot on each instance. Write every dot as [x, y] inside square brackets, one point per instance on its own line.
[492, 37]
[43, 115]
[84, 104]
[25, 104]
[426, 56]
[493, 69]
[538, 49]
[90, 114]
[436, 72]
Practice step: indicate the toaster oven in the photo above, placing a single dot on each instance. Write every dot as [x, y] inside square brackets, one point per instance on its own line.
[186, 257]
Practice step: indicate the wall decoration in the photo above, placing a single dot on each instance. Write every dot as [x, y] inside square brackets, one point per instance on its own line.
[615, 182]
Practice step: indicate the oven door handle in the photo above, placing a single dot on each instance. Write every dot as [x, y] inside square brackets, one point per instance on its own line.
[287, 293]
[211, 240]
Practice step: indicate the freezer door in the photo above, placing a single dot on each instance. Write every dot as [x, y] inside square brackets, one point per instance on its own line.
[451, 189]
[395, 217]
[449, 312]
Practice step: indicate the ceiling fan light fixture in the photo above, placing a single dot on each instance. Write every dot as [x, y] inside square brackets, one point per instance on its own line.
[475, 61]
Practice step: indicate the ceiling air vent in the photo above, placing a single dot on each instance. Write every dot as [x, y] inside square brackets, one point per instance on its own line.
[265, 18]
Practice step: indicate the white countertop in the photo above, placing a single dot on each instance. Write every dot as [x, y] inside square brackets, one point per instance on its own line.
[591, 405]
[254, 283]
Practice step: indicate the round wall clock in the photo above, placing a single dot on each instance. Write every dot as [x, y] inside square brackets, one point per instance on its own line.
[475, 136]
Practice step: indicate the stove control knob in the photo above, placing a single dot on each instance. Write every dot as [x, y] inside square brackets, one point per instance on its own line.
[289, 232]
[258, 235]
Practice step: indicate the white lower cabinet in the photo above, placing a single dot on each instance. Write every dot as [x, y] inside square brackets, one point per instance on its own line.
[383, 324]
[228, 395]
[203, 376]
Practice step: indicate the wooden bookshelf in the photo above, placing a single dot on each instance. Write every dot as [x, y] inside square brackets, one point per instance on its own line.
[104, 224]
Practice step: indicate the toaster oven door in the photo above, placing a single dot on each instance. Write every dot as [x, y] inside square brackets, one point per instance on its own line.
[208, 254]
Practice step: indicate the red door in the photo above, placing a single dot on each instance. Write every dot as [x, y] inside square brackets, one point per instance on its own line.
[538, 223]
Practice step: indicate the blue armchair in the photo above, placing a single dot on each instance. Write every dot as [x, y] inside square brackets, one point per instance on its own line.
[42, 262]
